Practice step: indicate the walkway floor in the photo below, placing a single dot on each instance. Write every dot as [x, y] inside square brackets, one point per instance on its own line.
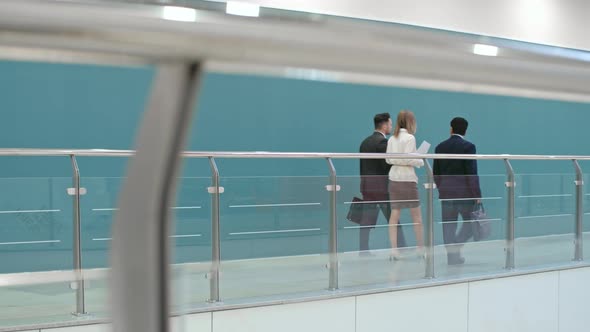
[247, 280]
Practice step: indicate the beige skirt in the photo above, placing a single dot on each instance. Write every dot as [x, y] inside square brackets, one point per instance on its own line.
[403, 195]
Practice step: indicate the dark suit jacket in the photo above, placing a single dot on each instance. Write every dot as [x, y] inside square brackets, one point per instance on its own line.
[456, 178]
[374, 172]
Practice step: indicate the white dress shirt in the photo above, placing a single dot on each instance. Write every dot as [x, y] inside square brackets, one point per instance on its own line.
[403, 169]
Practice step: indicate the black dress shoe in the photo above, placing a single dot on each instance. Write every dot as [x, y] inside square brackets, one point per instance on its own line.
[455, 259]
[395, 258]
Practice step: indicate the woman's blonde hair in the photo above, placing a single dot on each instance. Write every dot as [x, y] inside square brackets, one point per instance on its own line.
[405, 120]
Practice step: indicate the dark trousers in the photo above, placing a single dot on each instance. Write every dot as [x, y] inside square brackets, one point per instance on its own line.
[450, 216]
[370, 216]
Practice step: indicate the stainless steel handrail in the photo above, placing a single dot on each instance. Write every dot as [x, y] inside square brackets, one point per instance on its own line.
[141, 250]
[103, 31]
[282, 155]
[216, 190]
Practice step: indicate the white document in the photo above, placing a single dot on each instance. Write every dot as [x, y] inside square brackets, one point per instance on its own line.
[424, 147]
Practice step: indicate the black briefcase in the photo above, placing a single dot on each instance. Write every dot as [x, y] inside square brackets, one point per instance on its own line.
[355, 212]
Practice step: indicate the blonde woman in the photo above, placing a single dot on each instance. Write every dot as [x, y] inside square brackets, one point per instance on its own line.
[403, 182]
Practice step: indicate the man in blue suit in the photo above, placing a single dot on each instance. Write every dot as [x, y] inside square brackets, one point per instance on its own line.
[458, 188]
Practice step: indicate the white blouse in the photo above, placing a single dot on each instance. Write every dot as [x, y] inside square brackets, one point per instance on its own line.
[403, 169]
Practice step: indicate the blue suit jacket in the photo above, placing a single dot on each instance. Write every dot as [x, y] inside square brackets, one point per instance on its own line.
[456, 178]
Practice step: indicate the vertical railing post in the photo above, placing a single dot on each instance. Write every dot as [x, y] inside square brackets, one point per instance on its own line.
[429, 243]
[215, 191]
[333, 265]
[510, 214]
[77, 238]
[579, 226]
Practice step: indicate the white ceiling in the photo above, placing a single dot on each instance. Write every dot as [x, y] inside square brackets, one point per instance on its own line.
[550, 22]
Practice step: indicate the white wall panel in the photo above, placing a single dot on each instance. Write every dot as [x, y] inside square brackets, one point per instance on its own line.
[517, 304]
[193, 323]
[544, 302]
[332, 315]
[84, 328]
[420, 310]
[574, 293]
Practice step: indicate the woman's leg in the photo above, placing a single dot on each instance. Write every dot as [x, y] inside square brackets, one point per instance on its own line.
[393, 224]
[417, 218]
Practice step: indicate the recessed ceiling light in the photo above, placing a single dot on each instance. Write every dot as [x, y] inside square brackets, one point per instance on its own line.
[182, 14]
[242, 9]
[487, 50]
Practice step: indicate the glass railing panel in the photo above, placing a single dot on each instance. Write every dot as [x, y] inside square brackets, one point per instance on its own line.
[364, 245]
[192, 244]
[35, 239]
[545, 219]
[468, 242]
[98, 208]
[191, 240]
[47, 298]
[35, 224]
[482, 255]
[274, 236]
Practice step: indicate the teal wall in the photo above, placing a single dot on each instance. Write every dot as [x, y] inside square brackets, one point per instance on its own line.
[66, 106]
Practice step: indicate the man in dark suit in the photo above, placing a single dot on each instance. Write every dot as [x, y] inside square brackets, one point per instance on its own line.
[458, 188]
[375, 181]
